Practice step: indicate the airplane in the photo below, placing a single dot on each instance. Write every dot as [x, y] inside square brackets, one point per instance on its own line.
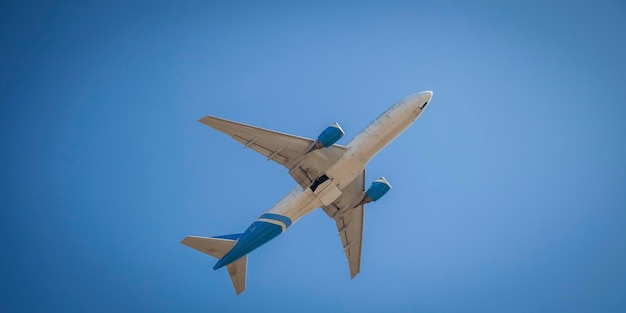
[329, 176]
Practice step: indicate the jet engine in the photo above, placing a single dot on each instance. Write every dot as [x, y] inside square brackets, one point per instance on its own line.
[328, 137]
[376, 191]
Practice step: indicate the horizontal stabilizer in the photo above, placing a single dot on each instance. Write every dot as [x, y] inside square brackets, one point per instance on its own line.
[237, 271]
[215, 247]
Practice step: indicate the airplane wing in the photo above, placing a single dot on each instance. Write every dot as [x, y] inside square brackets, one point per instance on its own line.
[284, 149]
[349, 220]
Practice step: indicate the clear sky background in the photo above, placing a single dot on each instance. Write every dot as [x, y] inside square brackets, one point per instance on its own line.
[509, 191]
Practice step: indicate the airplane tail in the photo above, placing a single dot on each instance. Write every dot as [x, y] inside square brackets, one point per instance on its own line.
[217, 247]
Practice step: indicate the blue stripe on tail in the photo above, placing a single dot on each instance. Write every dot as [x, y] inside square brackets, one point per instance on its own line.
[255, 236]
[229, 237]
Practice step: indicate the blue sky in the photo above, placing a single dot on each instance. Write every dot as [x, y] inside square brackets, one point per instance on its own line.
[509, 192]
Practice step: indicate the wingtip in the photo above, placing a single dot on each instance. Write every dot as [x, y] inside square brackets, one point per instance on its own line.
[184, 239]
[353, 275]
[204, 118]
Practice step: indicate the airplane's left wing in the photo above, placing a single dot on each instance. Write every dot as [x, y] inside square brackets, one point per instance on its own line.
[284, 149]
[349, 219]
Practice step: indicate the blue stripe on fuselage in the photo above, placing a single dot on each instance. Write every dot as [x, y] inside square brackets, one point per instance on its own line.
[255, 236]
[281, 218]
[229, 237]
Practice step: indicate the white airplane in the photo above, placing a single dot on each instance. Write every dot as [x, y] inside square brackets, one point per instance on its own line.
[329, 176]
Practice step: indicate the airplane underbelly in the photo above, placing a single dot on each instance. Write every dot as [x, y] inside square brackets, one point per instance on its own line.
[296, 204]
[300, 202]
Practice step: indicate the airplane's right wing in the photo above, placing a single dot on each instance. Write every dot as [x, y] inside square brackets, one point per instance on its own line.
[349, 219]
[284, 149]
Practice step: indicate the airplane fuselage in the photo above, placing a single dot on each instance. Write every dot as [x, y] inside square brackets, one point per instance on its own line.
[326, 189]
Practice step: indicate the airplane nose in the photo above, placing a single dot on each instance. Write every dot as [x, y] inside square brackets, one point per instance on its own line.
[422, 99]
[419, 101]
[427, 94]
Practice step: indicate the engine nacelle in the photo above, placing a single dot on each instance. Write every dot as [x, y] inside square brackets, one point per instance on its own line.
[377, 190]
[330, 135]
